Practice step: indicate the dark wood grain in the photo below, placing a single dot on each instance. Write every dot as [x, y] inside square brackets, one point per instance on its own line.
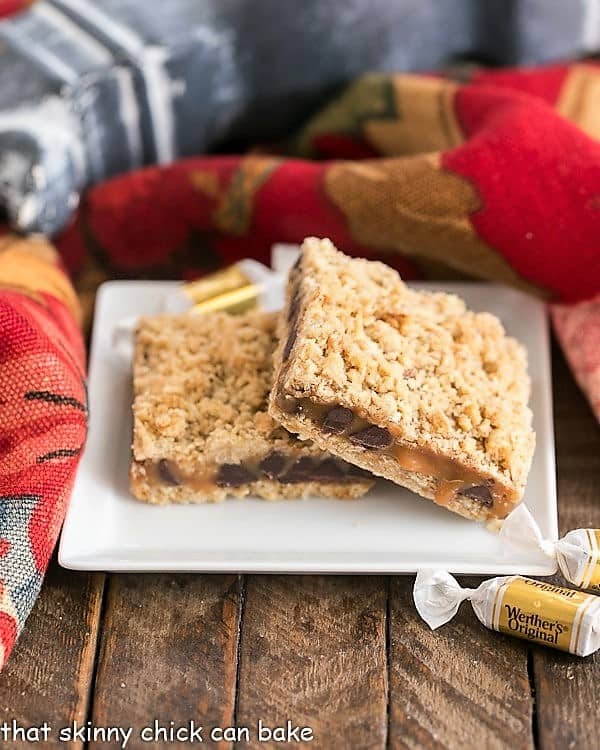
[49, 675]
[459, 687]
[567, 686]
[313, 650]
[168, 652]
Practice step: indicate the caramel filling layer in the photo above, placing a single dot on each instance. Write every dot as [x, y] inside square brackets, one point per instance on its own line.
[275, 466]
[453, 479]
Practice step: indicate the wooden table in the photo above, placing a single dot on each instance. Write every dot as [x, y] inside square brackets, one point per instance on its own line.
[344, 655]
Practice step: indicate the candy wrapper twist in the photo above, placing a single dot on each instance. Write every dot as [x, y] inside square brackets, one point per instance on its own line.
[536, 611]
[577, 553]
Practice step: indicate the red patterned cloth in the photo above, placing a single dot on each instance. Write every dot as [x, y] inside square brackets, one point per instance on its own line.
[497, 177]
[43, 416]
[10, 7]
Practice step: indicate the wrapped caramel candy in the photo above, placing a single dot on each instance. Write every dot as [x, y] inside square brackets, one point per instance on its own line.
[577, 553]
[243, 286]
[540, 612]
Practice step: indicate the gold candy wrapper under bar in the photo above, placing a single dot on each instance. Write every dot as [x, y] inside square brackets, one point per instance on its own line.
[229, 290]
[577, 553]
[536, 611]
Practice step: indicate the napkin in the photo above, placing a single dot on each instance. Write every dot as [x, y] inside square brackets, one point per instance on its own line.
[43, 419]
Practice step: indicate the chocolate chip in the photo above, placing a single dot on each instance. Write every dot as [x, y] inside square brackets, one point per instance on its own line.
[288, 404]
[233, 475]
[479, 492]
[273, 464]
[328, 470]
[300, 471]
[337, 419]
[355, 472]
[291, 340]
[166, 474]
[372, 437]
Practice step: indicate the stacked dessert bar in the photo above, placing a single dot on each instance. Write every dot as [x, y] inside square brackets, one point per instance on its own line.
[201, 427]
[358, 376]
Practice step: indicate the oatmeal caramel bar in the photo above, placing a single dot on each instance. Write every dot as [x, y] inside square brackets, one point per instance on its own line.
[201, 428]
[409, 385]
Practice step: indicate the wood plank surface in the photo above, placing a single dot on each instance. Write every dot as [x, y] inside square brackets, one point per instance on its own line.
[49, 675]
[460, 687]
[168, 652]
[313, 650]
[567, 686]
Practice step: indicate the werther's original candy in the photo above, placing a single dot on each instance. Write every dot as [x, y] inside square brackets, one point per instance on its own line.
[243, 286]
[577, 553]
[534, 610]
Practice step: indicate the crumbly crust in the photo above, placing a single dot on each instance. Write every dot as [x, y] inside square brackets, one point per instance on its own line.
[145, 488]
[384, 466]
[201, 386]
[435, 374]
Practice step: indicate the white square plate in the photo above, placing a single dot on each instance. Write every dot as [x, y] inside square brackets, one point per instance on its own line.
[389, 531]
